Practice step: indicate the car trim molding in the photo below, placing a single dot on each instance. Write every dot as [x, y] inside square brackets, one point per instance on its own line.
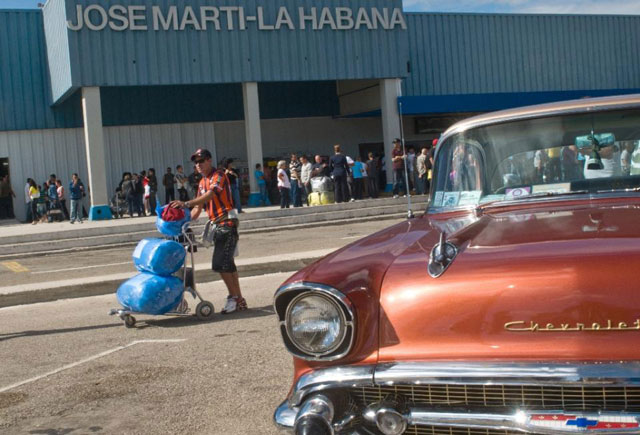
[625, 373]
[538, 422]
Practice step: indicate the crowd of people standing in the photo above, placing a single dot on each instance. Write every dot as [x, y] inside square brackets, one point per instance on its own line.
[352, 179]
[47, 202]
[137, 193]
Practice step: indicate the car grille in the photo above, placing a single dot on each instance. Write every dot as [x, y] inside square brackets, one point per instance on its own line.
[567, 398]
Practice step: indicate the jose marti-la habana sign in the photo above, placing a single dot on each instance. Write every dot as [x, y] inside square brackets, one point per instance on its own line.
[142, 18]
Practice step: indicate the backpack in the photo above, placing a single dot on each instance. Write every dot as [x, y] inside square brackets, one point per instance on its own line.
[128, 189]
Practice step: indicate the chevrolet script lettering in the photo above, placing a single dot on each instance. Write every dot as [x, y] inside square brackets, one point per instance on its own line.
[523, 326]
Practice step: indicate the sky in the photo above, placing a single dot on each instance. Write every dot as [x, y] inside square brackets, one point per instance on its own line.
[630, 7]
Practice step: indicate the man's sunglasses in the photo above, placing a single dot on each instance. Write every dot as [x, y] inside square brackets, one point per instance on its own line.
[199, 161]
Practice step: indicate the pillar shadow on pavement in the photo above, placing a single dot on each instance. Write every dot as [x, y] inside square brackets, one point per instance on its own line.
[185, 321]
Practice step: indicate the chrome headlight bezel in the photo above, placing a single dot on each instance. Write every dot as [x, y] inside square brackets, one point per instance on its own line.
[288, 295]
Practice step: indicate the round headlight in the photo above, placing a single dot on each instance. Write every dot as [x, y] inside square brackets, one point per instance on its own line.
[315, 324]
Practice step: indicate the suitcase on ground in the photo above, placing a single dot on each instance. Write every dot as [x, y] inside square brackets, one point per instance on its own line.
[321, 184]
[55, 215]
[315, 199]
[150, 294]
[327, 198]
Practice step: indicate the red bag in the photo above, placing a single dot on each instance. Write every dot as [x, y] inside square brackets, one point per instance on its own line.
[171, 214]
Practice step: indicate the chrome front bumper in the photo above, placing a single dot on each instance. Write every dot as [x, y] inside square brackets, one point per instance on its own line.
[517, 420]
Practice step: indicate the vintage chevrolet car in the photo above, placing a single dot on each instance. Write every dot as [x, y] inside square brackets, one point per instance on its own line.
[511, 306]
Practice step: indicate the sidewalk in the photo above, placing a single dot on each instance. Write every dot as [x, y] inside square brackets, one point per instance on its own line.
[22, 240]
[261, 224]
[107, 284]
[15, 228]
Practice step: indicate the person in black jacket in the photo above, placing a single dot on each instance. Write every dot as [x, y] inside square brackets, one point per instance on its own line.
[129, 193]
[168, 181]
[138, 189]
[153, 185]
[339, 171]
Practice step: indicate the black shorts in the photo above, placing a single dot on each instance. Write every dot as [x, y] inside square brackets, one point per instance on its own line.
[225, 240]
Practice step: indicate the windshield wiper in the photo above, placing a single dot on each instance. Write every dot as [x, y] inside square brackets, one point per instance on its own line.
[542, 194]
[533, 195]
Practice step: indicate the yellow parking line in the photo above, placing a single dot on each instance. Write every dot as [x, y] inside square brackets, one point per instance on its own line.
[14, 266]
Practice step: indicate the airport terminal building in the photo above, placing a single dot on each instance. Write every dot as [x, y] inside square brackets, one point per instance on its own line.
[104, 87]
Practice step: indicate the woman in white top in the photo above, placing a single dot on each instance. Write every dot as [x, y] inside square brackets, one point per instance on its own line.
[307, 169]
[284, 186]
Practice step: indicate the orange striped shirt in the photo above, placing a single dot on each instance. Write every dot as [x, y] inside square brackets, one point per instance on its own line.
[221, 202]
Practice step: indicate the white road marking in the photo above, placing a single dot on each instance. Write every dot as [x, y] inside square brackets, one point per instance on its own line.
[352, 237]
[81, 268]
[86, 360]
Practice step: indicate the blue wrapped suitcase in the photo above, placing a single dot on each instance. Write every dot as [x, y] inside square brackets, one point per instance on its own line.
[159, 256]
[150, 294]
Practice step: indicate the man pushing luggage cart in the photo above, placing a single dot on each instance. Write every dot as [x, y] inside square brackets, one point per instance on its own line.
[166, 273]
[214, 194]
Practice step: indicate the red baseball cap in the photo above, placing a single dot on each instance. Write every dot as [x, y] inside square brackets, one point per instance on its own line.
[201, 153]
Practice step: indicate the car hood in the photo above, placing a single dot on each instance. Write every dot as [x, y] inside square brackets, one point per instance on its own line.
[358, 270]
[536, 284]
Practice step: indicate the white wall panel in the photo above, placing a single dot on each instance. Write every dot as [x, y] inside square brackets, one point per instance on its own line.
[38, 153]
[280, 137]
[134, 148]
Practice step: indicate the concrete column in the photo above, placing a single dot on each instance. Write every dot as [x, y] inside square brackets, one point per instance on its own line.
[96, 160]
[253, 136]
[390, 90]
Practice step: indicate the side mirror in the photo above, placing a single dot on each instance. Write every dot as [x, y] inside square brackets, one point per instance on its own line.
[441, 257]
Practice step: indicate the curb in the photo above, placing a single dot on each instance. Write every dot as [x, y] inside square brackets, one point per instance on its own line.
[109, 286]
[248, 231]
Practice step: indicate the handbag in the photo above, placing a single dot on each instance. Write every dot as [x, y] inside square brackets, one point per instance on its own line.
[208, 234]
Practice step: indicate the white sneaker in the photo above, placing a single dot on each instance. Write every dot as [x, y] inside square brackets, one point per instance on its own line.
[395, 196]
[352, 200]
[234, 304]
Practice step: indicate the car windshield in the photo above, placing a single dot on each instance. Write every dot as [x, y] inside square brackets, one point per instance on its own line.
[557, 155]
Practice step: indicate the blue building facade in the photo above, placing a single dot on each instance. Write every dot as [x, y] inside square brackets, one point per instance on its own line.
[314, 73]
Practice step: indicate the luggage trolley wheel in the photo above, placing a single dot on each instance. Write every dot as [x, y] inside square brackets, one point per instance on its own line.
[129, 321]
[204, 310]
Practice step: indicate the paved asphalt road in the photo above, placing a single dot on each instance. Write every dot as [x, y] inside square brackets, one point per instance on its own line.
[69, 368]
[108, 261]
